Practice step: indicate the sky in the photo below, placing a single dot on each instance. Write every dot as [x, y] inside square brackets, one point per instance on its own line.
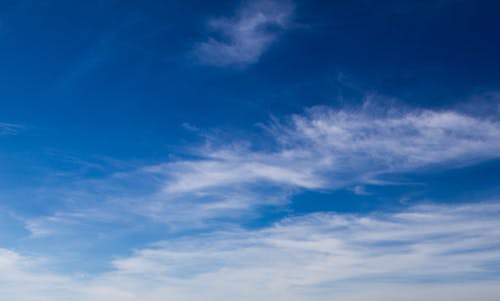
[249, 150]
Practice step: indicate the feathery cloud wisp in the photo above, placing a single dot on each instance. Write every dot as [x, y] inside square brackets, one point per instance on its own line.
[323, 148]
[243, 39]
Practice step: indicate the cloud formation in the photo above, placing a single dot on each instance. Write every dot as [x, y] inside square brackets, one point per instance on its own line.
[324, 148]
[242, 39]
[315, 256]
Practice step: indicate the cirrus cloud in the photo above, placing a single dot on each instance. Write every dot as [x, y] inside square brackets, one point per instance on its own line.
[242, 40]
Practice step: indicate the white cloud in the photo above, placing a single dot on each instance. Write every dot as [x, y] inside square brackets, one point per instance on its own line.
[326, 148]
[227, 180]
[430, 242]
[426, 252]
[244, 38]
[364, 141]
[323, 148]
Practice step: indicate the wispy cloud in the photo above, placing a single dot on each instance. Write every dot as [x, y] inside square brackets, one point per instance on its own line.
[7, 129]
[323, 148]
[298, 256]
[386, 256]
[242, 39]
[316, 256]
[228, 180]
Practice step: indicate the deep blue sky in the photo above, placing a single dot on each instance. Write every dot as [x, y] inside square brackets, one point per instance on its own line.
[94, 73]
[128, 127]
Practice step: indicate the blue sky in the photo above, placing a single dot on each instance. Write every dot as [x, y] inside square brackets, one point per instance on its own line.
[248, 150]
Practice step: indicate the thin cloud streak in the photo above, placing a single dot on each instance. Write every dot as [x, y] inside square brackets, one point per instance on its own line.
[9, 129]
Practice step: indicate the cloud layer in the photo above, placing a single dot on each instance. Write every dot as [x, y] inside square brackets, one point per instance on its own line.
[387, 256]
[380, 256]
